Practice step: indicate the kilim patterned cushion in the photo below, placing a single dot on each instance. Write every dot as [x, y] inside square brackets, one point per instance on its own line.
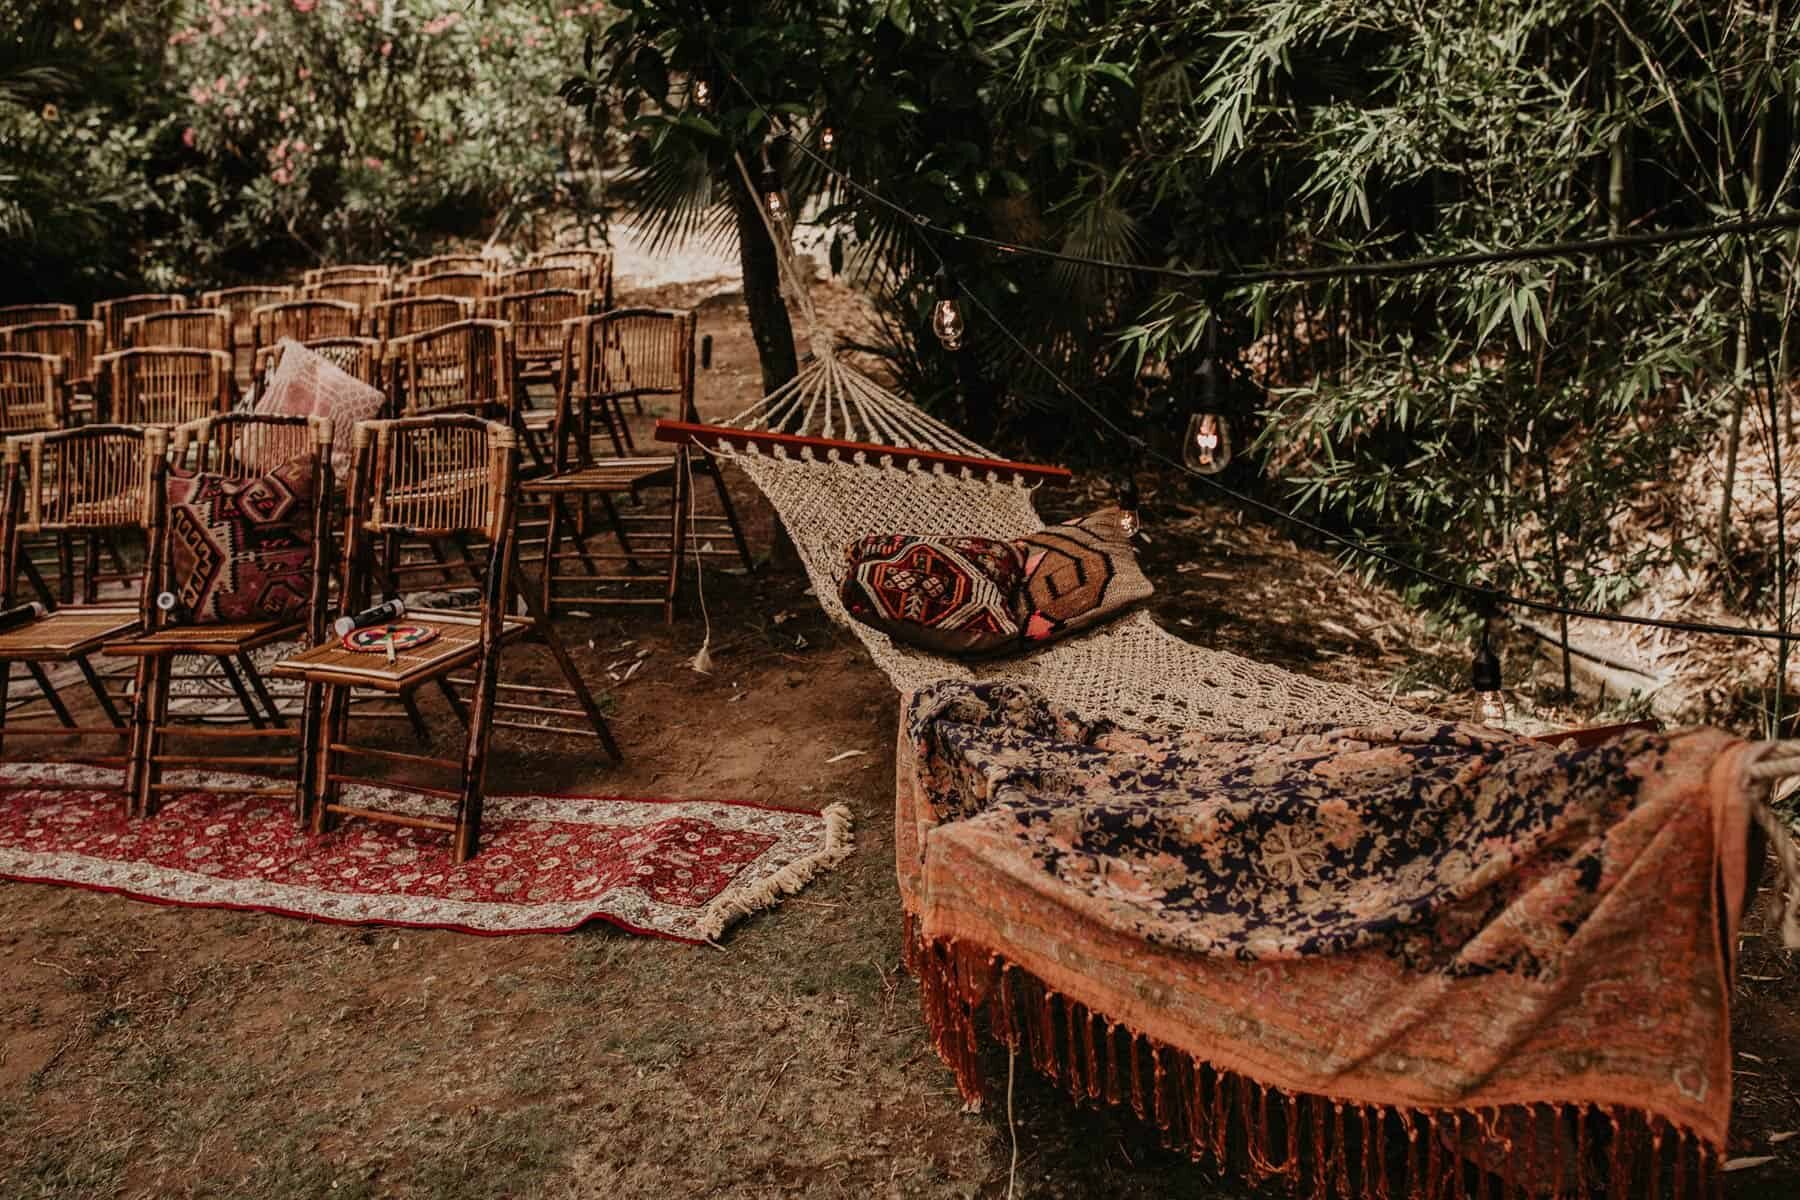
[951, 595]
[1077, 574]
[241, 549]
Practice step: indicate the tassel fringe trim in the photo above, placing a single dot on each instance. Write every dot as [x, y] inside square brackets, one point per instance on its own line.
[767, 893]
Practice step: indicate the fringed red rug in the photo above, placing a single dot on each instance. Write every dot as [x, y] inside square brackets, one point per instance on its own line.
[679, 869]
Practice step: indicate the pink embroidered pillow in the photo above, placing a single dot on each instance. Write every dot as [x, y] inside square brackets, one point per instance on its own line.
[307, 384]
[241, 549]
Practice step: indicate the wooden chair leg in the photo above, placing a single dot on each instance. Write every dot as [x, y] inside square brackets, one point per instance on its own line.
[98, 687]
[421, 731]
[731, 517]
[257, 685]
[243, 694]
[677, 535]
[333, 721]
[306, 782]
[65, 567]
[149, 713]
[5, 699]
[50, 693]
[546, 634]
[467, 838]
[552, 539]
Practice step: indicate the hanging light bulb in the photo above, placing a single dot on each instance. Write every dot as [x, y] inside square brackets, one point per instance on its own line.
[1484, 678]
[774, 196]
[828, 139]
[702, 93]
[1207, 446]
[1129, 521]
[946, 312]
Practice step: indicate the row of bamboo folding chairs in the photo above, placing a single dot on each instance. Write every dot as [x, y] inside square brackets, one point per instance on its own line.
[441, 478]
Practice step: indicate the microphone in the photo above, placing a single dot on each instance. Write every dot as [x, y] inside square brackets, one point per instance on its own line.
[20, 615]
[380, 614]
[170, 603]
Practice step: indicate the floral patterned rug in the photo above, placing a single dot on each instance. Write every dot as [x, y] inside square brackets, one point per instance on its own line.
[678, 869]
[1359, 957]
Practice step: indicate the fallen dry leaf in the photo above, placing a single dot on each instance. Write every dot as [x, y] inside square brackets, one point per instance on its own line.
[1744, 1164]
[841, 755]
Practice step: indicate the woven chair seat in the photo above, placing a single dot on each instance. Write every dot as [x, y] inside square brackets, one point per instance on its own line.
[67, 633]
[607, 475]
[222, 639]
[458, 643]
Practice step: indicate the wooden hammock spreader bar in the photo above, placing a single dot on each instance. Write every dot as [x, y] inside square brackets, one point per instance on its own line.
[713, 435]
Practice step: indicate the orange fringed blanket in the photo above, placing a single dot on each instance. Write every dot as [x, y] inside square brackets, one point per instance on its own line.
[1422, 959]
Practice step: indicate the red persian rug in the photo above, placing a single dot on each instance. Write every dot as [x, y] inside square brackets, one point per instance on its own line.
[679, 869]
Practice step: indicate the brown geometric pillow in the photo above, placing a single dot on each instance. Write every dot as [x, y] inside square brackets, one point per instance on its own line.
[241, 549]
[951, 595]
[1076, 575]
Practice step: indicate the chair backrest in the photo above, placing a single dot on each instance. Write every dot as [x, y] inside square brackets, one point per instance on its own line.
[466, 366]
[345, 273]
[470, 285]
[360, 292]
[361, 357]
[634, 352]
[415, 314]
[537, 279]
[242, 445]
[304, 320]
[112, 314]
[242, 303]
[30, 314]
[32, 397]
[77, 343]
[89, 478]
[195, 328]
[597, 263]
[537, 318]
[478, 263]
[163, 385]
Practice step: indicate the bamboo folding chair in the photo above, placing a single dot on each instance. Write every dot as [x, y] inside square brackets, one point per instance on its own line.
[465, 366]
[361, 292]
[438, 477]
[415, 314]
[193, 328]
[607, 359]
[236, 446]
[112, 314]
[75, 482]
[346, 273]
[32, 314]
[440, 263]
[537, 323]
[77, 343]
[242, 303]
[304, 321]
[469, 285]
[33, 393]
[358, 356]
[163, 385]
[597, 263]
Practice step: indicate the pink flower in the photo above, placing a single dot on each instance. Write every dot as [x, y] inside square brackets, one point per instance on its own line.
[438, 24]
[280, 174]
[387, 48]
[200, 93]
[306, 72]
[222, 84]
[303, 6]
[187, 137]
[373, 163]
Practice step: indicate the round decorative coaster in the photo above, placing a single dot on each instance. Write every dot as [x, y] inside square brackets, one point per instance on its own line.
[375, 638]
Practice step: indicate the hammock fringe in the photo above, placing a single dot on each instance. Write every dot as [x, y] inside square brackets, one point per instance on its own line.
[1319, 1146]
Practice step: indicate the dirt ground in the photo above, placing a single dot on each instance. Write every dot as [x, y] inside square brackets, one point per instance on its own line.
[153, 1051]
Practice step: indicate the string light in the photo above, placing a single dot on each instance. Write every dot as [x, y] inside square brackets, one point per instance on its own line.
[774, 197]
[1207, 446]
[1129, 520]
[946, 312]
[828, 139]
[702, 93]
[1484, 678]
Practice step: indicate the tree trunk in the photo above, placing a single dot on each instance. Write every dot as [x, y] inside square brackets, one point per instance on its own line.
[769, 323]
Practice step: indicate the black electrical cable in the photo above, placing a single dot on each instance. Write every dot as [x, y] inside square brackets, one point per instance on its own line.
[1484, 597]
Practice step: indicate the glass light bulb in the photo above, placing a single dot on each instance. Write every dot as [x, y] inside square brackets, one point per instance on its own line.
[777, 203]
[827, 139]
[947, 323]
[1490, 709]
[1129, 524]
[1207, 446]
[702, 93]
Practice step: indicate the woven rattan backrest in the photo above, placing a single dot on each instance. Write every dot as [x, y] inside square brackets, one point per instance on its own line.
[466, 366]
[537, 279]
[164, 386]
[435, 476]
[537, 318]
[415, 314]
[636, 352]
[31, 393]
[597, 263]
[419, 268]
[360, 292]
[196, 328]
[304, 320]
[88, 478]
[28, 314]
[241, 445]
[242, 303]
[361, 357]
[470, 285]
[112, 314]
[345, 273]
[77, 343]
